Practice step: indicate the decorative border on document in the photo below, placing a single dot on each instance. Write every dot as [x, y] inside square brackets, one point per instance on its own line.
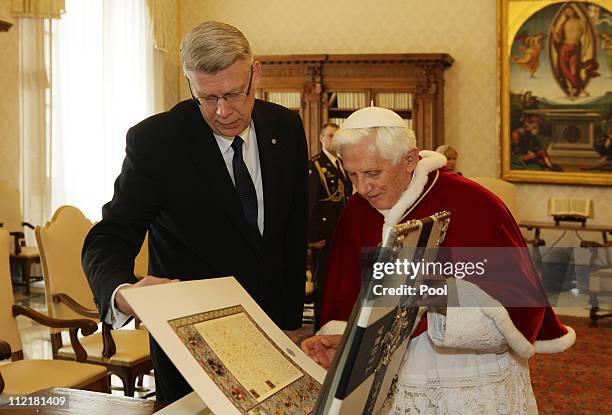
[298, 398]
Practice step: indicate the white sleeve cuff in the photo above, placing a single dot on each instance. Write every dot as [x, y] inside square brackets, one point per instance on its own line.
[113, 316]
[467, 326]
[332, 327]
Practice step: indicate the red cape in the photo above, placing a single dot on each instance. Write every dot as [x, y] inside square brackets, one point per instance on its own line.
[478, 219]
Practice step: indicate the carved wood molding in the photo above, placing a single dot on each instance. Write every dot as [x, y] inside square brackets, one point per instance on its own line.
[419, 74]
[5, 26]
[443, 59]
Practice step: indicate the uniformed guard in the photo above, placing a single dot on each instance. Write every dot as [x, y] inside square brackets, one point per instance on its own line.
[329, 189]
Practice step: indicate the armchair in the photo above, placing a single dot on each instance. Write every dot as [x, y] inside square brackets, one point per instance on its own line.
[12, 220]
[21, 376]
[124, 353]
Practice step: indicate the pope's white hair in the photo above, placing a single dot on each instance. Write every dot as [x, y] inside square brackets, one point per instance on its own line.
[392, 142]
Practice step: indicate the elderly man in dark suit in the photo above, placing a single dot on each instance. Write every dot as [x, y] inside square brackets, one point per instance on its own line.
[220, 184]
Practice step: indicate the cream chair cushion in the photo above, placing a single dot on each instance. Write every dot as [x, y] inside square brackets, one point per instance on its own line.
[27, 376]
[28, 252]
[132, 347]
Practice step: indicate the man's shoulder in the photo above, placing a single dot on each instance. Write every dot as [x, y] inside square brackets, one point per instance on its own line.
[172, 118]
[457, 184]
[272, 112]
[463, 193]
[319, 158]
[163, 132]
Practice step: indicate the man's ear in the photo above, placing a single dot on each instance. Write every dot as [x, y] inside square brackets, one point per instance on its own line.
[256, 73]
[412, 158]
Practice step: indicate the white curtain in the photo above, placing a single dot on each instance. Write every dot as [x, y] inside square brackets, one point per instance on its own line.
[102, 84]
[34, 86]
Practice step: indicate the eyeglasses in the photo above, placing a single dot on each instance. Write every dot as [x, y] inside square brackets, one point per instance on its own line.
[232, 98]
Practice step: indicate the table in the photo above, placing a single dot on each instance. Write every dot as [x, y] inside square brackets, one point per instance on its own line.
[538, 226]
[604, 230]
[86, 403]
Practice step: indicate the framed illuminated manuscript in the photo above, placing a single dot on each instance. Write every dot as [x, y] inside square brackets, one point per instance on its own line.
[230, 352]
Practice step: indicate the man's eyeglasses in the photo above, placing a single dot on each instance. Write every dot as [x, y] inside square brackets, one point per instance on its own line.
[232, 98]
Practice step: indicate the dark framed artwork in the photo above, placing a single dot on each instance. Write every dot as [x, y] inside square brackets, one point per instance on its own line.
[556, 91]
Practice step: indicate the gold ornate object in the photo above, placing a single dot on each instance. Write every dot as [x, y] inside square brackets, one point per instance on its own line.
[394, 336]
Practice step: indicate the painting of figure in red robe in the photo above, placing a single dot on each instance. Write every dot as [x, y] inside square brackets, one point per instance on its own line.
[559, 89]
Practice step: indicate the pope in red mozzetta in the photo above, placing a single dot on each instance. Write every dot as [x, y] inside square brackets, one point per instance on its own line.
[467, 359]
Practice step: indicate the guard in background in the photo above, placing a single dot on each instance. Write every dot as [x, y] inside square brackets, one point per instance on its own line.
[328, 189]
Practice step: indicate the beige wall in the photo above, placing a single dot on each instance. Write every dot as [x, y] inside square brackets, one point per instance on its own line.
[171, 62]
[9, 98]
[465, 29]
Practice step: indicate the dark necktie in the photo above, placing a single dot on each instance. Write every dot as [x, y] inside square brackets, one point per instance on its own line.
[244, 186]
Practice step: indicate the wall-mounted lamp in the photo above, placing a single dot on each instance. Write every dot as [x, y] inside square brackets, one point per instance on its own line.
[5, 26]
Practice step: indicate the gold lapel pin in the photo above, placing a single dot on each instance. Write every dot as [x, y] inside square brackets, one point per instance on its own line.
[274, 141]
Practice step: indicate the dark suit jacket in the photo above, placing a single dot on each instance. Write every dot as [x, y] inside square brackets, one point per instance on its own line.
[175, 184]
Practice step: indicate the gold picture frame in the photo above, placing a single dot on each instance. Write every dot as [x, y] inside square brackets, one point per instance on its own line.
[555, 95]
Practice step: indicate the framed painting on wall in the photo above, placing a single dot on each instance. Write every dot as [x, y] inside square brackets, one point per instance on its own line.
[556, 91]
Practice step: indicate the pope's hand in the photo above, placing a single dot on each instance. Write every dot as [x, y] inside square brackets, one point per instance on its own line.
[120, 302]
[321, 349]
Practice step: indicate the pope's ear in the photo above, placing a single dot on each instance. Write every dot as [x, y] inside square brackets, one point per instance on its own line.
[412, 158]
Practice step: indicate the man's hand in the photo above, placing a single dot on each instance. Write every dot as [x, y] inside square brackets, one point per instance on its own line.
[322, 349]
[120, 302]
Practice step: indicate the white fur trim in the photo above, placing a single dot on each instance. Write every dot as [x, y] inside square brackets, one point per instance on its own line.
[430, 161]
[513, 336]
[557, 345]
[471, 295]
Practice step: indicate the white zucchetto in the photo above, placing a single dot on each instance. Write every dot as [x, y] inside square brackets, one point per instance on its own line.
[370, 117]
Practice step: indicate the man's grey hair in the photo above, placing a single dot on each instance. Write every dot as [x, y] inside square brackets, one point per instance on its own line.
[392, 142]
[213, 46]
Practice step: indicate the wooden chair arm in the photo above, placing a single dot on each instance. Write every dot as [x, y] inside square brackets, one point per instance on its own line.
[73, 325]
[108, 343]
[72, 304]
[5, 350]
[28, 225]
